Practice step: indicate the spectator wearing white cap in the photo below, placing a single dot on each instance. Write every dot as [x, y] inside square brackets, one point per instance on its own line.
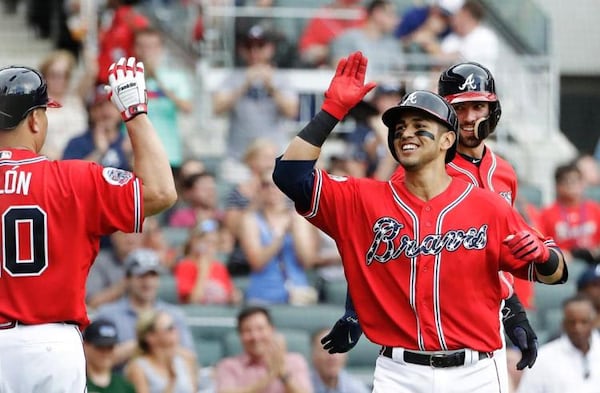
[142, 278]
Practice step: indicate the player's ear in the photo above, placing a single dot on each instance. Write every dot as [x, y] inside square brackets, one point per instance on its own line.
[35, 119]
[448, 138]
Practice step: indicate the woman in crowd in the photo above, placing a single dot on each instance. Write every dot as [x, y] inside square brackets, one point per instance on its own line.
[58, 68]
[162, 366]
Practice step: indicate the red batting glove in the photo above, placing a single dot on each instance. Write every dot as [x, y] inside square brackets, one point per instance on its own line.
[347, 88]
[527, 246]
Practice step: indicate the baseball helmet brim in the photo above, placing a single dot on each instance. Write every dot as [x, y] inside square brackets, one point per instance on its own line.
[471, 96]
[53, 104]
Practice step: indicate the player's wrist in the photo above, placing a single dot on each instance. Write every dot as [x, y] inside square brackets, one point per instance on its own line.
[133, 111]
[335, 109]
[549, 266]
[318, 129]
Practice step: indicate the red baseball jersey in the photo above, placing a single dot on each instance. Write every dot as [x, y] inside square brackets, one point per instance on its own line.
[572, 226]
[493, 173]
[53, 215]
[497, 175]
[424, 275]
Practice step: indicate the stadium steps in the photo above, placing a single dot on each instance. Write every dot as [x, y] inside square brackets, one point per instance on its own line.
[19, 42]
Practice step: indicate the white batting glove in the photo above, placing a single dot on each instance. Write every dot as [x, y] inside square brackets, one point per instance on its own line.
[127, 88]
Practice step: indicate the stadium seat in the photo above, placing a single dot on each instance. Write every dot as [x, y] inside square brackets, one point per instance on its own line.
[334, 292]
[210, 322]
[554, 319]
[209, 352]
[576, 268]
[550, 297]
[364, 374]
[592, 192]
[534, 320]
[364, 354]
[531, 193]
[175, 236]
[167, 289]
[308, 318]
[241, 283]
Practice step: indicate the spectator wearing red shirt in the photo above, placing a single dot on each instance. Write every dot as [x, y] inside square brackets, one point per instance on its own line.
[201, 278]
[117, 40]
[571, 220]
[324, 27]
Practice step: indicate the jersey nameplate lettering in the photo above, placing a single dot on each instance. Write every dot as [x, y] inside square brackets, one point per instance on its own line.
[385, 247]
[15, 182]
[116, 177]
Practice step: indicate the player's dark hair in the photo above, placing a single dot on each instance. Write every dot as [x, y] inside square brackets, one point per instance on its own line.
[375, 4]
[189, 181]
[579, 297]
[474, 8]
[247, 312]
[561, 171]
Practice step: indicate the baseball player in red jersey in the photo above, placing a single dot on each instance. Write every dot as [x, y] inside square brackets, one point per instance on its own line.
[53, 215]
[470, 88]
[421, 256]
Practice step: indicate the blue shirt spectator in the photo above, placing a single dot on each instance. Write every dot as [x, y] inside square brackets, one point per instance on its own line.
[82, 146]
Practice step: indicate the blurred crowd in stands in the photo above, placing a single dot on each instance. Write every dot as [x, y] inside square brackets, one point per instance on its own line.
[240, 244]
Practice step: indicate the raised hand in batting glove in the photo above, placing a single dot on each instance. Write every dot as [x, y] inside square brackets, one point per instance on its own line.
[527, 246]
[347, 88]
[520, 332]
[127, 87]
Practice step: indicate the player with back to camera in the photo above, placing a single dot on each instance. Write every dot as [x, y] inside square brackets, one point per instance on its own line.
[417, 244]
[471, 89]
[53, 215]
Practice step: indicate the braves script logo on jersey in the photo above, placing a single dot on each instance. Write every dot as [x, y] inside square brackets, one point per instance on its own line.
[386, 247]
[469, 82]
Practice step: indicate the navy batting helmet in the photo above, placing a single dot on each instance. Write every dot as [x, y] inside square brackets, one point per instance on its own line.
[22, 89]
[431, 104]
[472, 82]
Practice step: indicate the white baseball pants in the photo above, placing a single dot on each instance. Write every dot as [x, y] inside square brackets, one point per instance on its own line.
[44, 358]
[482, 376]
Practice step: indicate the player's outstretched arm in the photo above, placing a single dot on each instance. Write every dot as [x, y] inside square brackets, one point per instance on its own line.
[150, 163]
[347, 88]
[520, 332]
[293, 170]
